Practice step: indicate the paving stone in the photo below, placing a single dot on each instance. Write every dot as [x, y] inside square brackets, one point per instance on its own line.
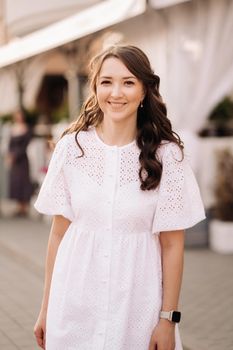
[206, 300]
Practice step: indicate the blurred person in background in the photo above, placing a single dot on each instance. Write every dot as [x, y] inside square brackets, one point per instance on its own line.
[20, 187]
[121, 192]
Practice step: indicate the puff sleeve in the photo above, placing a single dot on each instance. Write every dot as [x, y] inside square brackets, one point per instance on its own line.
[54, 195]
[179, 203]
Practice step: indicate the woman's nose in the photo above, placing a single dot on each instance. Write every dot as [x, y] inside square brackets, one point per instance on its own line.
[116, 90]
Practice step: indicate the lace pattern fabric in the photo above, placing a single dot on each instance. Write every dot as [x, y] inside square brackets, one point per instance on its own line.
[106, 288]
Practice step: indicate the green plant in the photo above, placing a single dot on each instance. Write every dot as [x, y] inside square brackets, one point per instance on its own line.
[220, 120]
[5, 118]
[31, 117]
[223, 112]
[224, 186]
[60, 113]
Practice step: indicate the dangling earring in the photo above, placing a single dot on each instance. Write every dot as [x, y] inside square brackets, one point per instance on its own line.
[141, 104]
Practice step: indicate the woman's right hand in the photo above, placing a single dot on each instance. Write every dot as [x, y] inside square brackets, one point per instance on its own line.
[9, 160]
[40, 330]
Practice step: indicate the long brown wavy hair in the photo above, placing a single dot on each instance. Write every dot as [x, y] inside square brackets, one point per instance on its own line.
[153, 125]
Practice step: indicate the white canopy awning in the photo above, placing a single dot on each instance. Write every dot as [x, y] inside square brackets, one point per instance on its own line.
[158, 4]
[77, 26]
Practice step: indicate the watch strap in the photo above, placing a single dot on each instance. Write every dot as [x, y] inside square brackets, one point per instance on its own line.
[166, 314]
[172, 316]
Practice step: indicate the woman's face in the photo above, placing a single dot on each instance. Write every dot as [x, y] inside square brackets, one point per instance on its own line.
[119, 92]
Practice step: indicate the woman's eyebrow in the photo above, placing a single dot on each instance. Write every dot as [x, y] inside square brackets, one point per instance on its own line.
[129, 77]
[105, 77]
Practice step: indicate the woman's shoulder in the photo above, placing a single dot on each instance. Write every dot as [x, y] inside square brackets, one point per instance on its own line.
[63, 141]
[69, 142]
[169, 148]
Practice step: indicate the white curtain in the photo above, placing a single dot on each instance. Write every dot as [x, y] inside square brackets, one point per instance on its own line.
[199, 59]
[190, 46]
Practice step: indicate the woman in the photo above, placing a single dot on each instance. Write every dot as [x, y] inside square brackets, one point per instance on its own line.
[20, 187]
[122, 194]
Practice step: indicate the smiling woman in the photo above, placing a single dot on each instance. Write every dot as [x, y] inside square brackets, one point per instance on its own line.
[122, 193]
[119, 94]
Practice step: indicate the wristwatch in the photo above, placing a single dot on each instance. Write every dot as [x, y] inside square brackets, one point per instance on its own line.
[173, 316]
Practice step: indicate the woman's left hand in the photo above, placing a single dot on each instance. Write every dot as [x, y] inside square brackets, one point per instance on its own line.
[163, 336]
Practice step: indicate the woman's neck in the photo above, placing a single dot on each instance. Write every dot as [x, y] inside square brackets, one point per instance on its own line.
[117, 134]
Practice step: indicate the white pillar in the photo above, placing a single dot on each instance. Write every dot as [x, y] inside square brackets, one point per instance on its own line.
[73, 93]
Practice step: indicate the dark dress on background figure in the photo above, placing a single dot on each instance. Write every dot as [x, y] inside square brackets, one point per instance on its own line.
[20, 187]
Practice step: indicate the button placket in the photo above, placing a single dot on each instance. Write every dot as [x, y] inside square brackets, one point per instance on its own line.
[110, 180]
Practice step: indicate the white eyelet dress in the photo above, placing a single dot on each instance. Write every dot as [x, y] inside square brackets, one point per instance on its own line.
[106, 287]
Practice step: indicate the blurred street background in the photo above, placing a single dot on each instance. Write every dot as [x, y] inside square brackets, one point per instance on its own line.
[45, 48]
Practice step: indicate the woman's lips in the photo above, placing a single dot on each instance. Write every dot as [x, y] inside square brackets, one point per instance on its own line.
[117, 104]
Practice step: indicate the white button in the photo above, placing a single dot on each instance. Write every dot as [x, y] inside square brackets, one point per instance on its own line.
[108, 228]
[100, 333]
[104, 281]
[110, 175]
[106, 255]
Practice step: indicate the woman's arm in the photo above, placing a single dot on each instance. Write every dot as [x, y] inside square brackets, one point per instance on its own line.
[172, 252]
[58, 229]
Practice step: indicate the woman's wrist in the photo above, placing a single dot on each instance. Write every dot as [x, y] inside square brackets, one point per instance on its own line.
[44, 307]
[166, 323]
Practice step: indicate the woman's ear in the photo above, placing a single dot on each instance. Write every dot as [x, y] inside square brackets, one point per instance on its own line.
[143, 93]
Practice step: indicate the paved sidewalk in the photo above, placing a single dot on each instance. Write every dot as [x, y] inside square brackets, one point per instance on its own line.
[22, 255]
[206, 299]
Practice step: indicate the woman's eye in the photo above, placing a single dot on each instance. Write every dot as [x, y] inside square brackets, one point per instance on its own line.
[129, 82]
[105, 82]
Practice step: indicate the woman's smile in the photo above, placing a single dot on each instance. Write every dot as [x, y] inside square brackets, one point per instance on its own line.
[117, 105]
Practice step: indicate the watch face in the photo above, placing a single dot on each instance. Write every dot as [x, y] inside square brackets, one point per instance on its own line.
[176, 316]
